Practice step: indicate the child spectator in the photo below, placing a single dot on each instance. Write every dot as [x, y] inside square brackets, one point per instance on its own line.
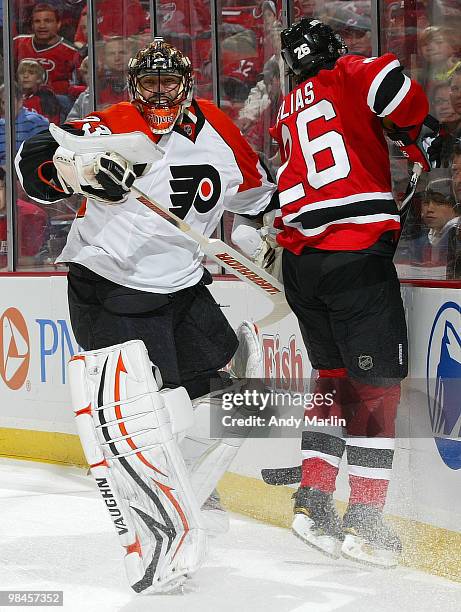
[440, 52]
[28, 122]
[36, 96]
[439, 213]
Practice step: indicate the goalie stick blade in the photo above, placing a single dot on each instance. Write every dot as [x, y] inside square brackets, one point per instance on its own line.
[282, 476]
[135, 147]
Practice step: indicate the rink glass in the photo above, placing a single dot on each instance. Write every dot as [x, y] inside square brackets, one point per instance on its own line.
[234, 48]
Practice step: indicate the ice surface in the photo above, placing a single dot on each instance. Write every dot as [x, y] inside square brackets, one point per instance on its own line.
[56, 534]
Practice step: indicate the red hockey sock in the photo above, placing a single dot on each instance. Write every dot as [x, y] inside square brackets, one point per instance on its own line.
[319, 474]
[367, 491]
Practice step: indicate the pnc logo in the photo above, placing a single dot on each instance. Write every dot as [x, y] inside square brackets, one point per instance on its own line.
[14, 348]
[443, 373]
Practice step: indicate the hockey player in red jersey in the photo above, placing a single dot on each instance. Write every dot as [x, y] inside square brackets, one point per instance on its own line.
[133, 275]
[339, 230]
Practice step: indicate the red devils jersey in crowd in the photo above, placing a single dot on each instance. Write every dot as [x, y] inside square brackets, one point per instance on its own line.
[32, 226]
[44, 102]
[59, 60]
[115, 18]
[335, 181]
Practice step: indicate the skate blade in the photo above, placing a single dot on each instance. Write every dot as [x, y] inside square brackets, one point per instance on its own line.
[327, 545]
[357, 549]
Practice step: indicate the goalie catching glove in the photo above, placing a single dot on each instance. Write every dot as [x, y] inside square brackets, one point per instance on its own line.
[105, 177]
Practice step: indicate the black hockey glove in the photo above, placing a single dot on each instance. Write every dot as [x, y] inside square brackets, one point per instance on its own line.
[439, 148]
[413, 146]
[115, 175]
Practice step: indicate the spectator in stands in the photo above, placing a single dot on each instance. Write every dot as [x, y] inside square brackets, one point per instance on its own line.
[32, 225]
[305, 8]
[28, 122]
[455, 90]
[35, 95]
[443, 108]
[69, 14]
[58, 57]
[456, 171]
[355, 28]
[439, 47]
[114, 18]
[258, 135]
[82, 80]
[258, 99]
[82, 105]
[439, 213]
[112, 86]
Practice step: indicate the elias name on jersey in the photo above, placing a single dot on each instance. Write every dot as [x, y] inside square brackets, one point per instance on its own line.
[297, 100]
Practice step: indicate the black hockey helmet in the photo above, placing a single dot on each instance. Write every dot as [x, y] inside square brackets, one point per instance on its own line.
[308, 45]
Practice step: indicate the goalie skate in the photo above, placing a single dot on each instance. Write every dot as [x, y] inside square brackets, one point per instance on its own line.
[128, 438]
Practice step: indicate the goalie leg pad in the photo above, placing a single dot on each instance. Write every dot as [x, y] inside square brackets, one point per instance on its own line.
[208, 459]
[124, 424]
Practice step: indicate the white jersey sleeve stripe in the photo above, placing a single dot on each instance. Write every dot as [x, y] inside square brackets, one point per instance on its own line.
[398, 98]
[355, 220]
[358, 197]
[379, 78]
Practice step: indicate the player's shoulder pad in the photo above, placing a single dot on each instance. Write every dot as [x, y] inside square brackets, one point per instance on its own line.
[246, 159]
[216, 117]
[358, 64]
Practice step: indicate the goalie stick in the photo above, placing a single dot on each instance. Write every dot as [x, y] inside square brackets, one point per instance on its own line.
[215, 249]
[228, 258]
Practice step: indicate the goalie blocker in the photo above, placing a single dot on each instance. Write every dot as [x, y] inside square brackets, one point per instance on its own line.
[128, 427]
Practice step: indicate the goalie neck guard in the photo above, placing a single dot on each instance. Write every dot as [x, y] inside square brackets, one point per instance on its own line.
[309, 45]
[160, 80]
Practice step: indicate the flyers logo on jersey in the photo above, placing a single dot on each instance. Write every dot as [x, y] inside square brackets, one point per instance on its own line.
[198, 186]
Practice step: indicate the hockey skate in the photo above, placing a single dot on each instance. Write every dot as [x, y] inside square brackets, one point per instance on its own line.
[368, 539]
[216, 519]
[317, 522]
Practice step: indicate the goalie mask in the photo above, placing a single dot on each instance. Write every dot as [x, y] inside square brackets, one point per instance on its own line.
[309, 45]
[160, 80]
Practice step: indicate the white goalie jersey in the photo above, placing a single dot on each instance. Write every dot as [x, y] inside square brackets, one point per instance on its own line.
[207, 168]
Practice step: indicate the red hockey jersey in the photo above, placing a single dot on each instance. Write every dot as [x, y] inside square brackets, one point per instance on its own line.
[335, 181]
[59, 60]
